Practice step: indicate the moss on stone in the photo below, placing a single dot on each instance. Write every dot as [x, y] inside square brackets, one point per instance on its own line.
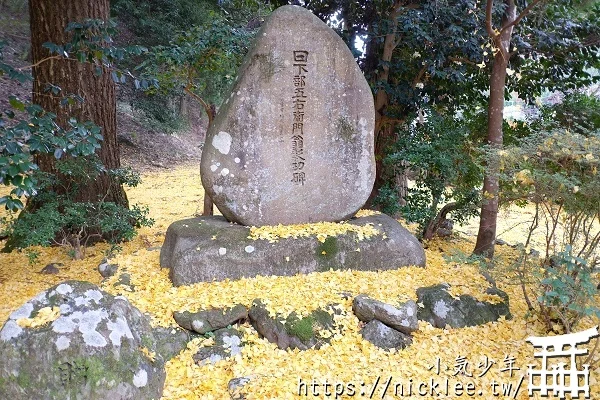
[268, 65]
[302, 328]
[147, 341]
[323, 318]
[345, 129]
[24, 379]
[328, 249]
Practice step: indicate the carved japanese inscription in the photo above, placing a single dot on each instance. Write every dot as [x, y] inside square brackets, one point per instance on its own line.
[298, 108]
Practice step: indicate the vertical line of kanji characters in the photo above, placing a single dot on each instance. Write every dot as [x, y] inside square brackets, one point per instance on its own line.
[299, 103]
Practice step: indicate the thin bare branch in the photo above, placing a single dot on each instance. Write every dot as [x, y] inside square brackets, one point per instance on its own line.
[462, 60]
[522, 15]
[43, 60]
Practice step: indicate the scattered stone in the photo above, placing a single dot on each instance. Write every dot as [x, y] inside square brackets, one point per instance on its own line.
[345, 295]
[125, 280]
[75, 341]
[192, 251]
[170, 341]
[445, 228]
[296, 333]
[51, 269]
[107, 269]
[228, 343]
[502, 242]
[385, 337]
[154, 248]
[293, 142]
[441, 309]
[210, 320]
[235, 386]
[402, 318]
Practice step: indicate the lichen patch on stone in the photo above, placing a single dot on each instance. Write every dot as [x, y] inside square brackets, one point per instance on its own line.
[140, 379]
[94, 295]
[64, 289]
[440, 308]
[62, 343]
[222, 142]
[23, 312]
[86, 322]
[119, 329]
[10, 330]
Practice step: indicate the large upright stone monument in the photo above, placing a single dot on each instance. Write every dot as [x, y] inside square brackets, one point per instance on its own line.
[293, 143]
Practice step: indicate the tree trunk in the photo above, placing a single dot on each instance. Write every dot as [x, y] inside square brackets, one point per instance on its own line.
[384, 130]
[48, 20]
[486, 237]
[208, 208]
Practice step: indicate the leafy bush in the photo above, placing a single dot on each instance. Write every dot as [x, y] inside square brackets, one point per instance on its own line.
[556, 170]
[55, 212]
[442, 156]
[28, 130]
[566, 291]
[59, 219]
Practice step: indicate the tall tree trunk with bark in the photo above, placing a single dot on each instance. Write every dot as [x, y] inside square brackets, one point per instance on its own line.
[384, 129]
[486, 237]
[48, 20]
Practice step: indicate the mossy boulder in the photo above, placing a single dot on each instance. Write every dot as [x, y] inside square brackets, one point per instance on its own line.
[74, 341]
[210, 248]
[210, 320]
[440, 308]
[295, 332]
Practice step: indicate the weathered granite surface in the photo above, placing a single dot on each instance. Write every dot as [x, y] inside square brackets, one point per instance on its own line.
[293, 142]
[440, 308]
[402, 317]
[92, 349]
[210, 248]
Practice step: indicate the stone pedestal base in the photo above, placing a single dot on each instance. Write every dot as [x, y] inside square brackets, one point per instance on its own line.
[212, 249]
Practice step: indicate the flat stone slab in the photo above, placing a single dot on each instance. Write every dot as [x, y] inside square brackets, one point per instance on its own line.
[212, 249]
[293, 142]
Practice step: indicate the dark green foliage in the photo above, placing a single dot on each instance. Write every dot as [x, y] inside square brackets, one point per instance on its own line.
[91, 42]
[196, 44]
[577, 112]
[29, 130]
[54, 216]
[567, 292]
[441, 153]
[202, 60]
[61, 220]
[155, 21]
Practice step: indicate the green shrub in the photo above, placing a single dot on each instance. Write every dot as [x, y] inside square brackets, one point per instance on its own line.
[556, 170]
[441, 154]
[59, 219]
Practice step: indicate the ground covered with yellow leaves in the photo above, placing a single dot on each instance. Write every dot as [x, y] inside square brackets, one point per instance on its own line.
[485, 360]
